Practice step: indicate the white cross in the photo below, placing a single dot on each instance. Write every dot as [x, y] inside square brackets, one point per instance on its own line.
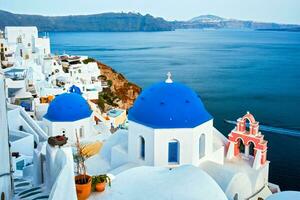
[169, 80]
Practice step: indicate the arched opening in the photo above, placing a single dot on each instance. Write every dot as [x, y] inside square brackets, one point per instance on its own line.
[247, 122]
[81, 132]
[2, 196]
[173, 155]
[202, 146]
[241, 145]
[142, 148]
[251, 148]
[236, 196]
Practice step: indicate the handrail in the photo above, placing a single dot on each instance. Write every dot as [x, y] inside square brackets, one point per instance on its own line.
[33, 125]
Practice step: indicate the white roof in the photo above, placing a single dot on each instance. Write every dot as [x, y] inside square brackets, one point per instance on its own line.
[158, 183]
[286, 195]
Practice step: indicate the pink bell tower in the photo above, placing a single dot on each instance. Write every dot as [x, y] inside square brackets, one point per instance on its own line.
[240, 134]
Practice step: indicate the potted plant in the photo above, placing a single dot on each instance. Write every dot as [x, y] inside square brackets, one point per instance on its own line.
[99, 182]
[58, 140]
[83, 181]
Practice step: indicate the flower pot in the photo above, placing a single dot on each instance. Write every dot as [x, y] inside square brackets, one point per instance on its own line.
[100, 187]
[84, 189]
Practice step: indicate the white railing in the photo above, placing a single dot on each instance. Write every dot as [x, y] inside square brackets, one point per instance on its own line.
[36, 128]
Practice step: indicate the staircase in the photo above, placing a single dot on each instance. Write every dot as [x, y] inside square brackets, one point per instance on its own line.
[24, 190]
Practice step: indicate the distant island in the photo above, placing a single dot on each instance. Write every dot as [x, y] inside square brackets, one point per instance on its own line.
[132, 22]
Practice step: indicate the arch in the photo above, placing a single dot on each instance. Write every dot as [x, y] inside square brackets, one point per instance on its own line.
[2, 196]
[142, 147]
[81, 131]
[251, 148]
[173, 151]
[201, 146]
[241, 145]
[236, 196]
[249, 117]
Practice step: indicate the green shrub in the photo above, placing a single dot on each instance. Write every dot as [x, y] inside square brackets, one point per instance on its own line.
[88, 60]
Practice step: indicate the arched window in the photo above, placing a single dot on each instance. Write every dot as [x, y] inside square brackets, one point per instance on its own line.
[251, 148]
[2, 196]
[202, 146]
[142, 148]
[173, 157]
[236, 196]
[81, 132]
[241, 145]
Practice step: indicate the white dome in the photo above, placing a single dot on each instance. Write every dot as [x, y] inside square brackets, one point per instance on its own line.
[158, 183]
[287, 195]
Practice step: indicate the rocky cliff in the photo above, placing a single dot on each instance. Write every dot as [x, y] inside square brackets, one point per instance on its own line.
[105, 22]
[120, 91]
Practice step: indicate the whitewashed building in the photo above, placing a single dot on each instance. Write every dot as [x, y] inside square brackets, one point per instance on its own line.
[69, 114]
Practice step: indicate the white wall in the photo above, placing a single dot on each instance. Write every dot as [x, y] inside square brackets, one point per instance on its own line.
[42, 46]
[70, 128]
[157, 140]
[26, 32]
[134, 132]
[24, 145]
[5, 181]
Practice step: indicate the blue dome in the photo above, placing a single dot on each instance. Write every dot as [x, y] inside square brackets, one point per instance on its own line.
[169, 105]
[68, 107]
[75, 89]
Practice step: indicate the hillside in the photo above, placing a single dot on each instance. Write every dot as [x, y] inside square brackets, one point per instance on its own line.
[106, 22]
[130, 22]
[216, 22]
[121, 92]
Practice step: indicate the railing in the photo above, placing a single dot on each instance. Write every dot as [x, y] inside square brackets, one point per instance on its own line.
[36, 128]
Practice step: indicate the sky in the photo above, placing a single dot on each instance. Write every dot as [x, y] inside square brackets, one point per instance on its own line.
[282, 11]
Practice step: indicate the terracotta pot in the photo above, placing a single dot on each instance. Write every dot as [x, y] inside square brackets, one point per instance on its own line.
[83, 190]
[100, 187]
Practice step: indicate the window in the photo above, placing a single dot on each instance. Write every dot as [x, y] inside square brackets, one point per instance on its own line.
[20, 165]
[173, 157]
[81, 132]
[236, 196]
[2, 196]
[142, 148]
[201, 146]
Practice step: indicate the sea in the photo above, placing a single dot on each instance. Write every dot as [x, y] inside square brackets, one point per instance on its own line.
[232, 71]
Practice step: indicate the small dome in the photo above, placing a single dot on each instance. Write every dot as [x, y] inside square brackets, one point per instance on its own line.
[184, 182]
[75, 89]
[169, 105]
[68, 107]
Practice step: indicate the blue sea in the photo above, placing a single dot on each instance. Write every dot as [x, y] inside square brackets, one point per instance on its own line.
[233, 72]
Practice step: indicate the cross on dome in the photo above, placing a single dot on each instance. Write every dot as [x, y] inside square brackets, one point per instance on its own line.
[169, 80]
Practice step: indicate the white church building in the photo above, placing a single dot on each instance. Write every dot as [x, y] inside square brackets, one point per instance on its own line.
[69, 114]
[169, 128]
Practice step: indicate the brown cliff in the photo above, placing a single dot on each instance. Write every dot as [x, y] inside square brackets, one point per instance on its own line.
[121, 92]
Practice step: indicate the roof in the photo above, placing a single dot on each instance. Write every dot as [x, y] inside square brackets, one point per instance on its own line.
[160, 183]
[169, 105]
[68, 107]
[15, 70]
[286, 195]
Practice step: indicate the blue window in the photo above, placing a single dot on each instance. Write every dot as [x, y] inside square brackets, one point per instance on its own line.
[20, 165]
[173, 152]
[142, 145]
